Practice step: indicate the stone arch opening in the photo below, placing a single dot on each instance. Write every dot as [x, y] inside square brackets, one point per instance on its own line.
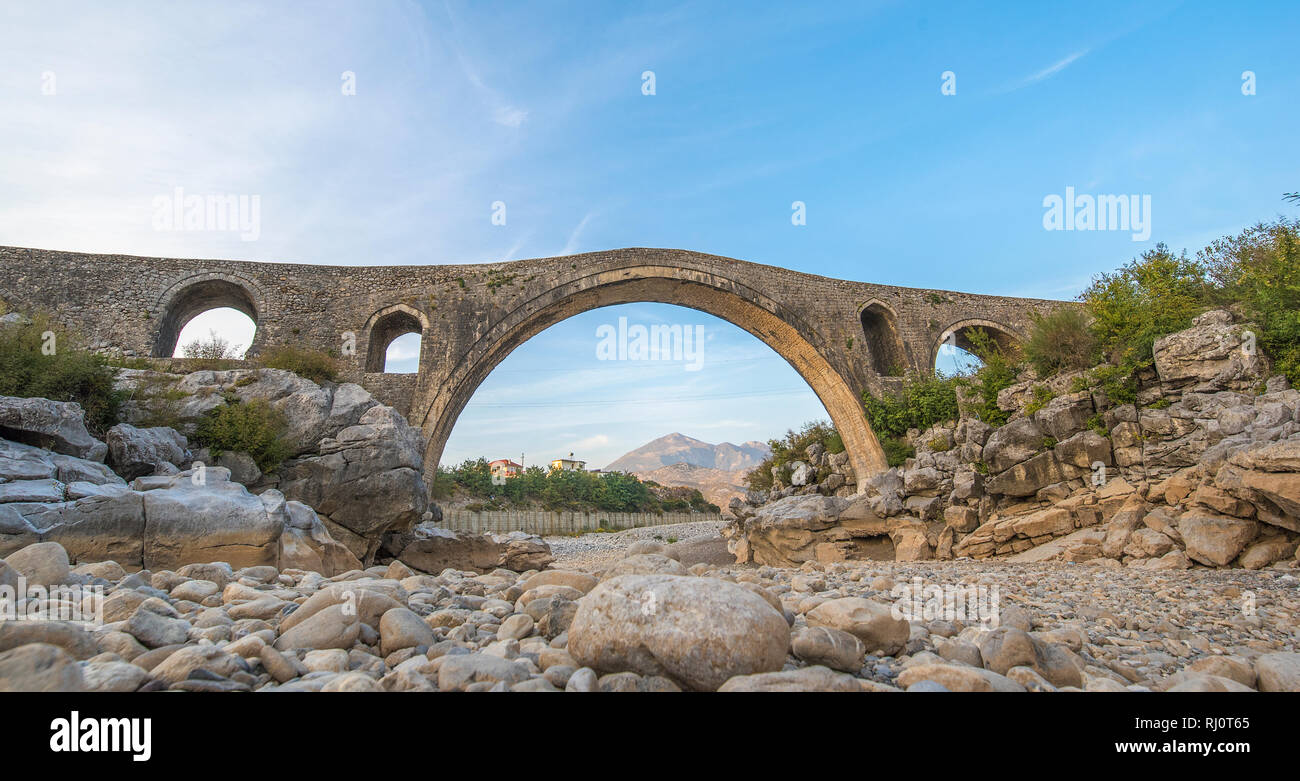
[956, 349]
[885, 350]
[776, 327]
[386, 327]
[194, 298]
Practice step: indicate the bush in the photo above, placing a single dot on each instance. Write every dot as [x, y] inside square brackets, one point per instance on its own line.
[793, 447]
[1157, 293]
[923, 401]
[997, 374]
[896, 450]
[1061, 341]
[41, 359]
[314, 365]
[255, 428]
[1259, 271]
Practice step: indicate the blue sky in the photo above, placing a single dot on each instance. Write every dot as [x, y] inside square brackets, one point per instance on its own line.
[540, 106]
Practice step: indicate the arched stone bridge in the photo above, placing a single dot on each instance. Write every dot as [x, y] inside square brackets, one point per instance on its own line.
[841, 336]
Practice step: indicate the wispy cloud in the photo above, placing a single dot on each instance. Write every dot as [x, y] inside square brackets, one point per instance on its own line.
[1049, 71]
[504, 113]
[571, 246]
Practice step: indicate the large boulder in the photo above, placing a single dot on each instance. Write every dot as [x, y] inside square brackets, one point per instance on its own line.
[871, 622]
[811, 527]
[1267, 476]
[106, 524]
[1013, 443]
[19, 462]
[198, 516]
[39, 667]
[366, 481]
[134, 452]
[1215, 540]
[697, 631]
[54, 425]
[307, 545]
[1213, 354]
[42, 564]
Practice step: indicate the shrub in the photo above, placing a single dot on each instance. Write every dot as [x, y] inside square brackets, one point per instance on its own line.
[982, 388]
[1098, 424]
[921, 402]
[1119, 383]
[444, 484]
[314, 365]
[793, 447]
[1061, 341]
[41, 359]
[255, 428]
[567, 490]
[1041, 396]
[1259, 270]
[1157, 293]
[896, 450]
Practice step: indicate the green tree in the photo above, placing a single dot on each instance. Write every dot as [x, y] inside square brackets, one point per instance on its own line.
[1258, 271]
[1155, 294]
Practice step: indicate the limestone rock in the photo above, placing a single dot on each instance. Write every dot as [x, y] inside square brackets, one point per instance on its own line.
[871, 622]
[1208, 356]
[1215, 540]
[55, 425]
[39, 668]
[697, 631]
[133, 452]
[367, 479]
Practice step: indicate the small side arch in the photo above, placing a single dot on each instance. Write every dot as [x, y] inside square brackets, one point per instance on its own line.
[194, 295]
[386, 325]
[885, 350]
[958, 334]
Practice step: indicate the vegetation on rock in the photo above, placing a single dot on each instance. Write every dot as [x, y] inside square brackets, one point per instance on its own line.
[38, 358]
[793, 447]
[255, 428]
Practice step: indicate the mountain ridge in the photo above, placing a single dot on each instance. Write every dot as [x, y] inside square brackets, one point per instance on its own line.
[718, 471]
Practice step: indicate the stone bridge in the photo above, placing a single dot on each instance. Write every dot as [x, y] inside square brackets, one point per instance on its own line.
[841, 336]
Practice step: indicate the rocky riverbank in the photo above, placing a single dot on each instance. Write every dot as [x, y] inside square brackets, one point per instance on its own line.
[647, 622]
[1200, 468]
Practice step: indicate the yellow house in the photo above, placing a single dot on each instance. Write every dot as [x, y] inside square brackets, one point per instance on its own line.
[568, 464]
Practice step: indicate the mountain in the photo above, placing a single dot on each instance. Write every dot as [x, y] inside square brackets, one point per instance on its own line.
[718, 471]
[716, 485]
[677, 448]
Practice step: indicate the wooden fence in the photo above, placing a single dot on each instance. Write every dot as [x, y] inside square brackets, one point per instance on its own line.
[544, 522]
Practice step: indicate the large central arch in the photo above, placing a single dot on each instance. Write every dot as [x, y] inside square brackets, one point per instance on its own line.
[782, 330]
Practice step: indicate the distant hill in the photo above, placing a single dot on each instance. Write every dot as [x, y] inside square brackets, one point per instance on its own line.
[677, 448]
[718, 471]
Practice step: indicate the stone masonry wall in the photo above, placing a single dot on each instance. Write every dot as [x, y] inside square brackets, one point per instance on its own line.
[472, 316]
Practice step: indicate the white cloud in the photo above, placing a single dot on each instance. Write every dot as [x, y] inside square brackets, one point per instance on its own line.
[1050, 70]
[571, 246]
